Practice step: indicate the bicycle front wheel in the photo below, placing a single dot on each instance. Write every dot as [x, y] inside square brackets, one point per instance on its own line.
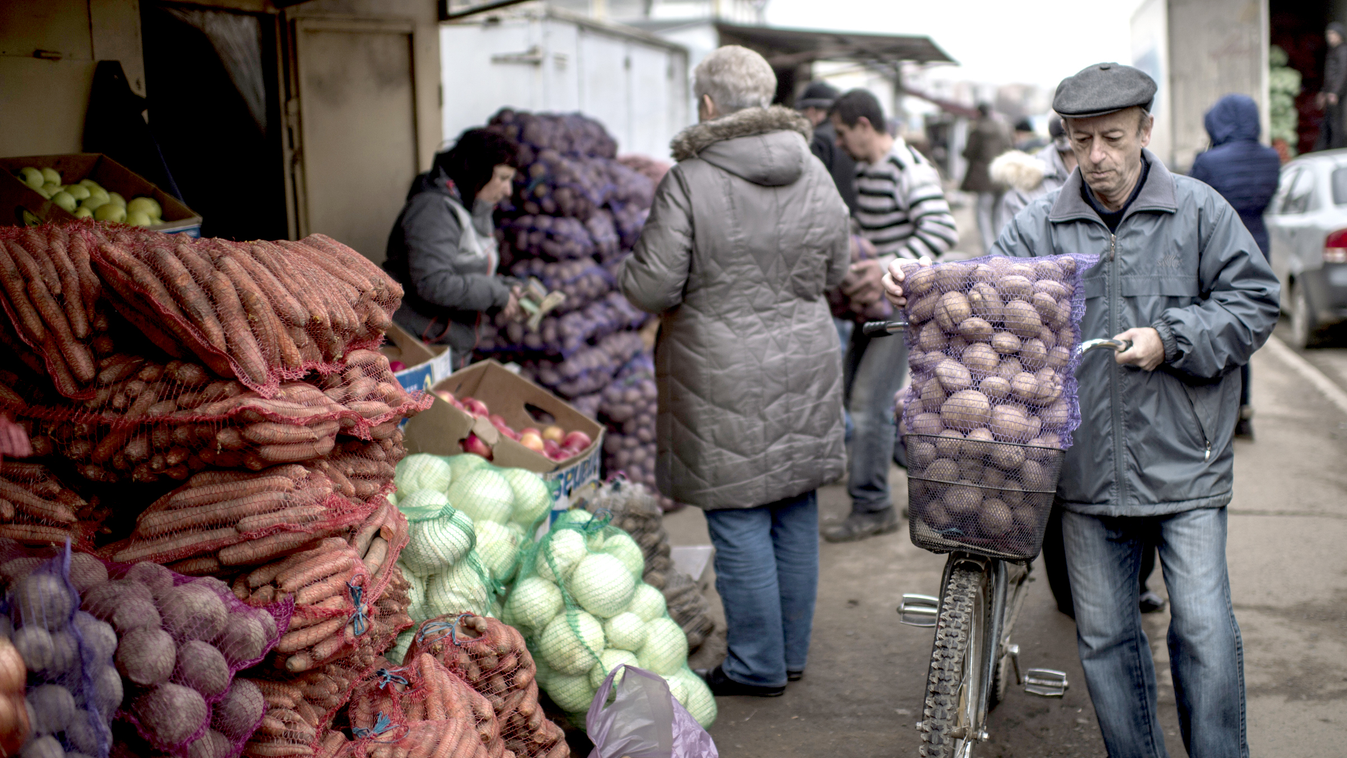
[952, 715]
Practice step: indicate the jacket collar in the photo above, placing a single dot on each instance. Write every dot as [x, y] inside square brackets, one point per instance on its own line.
[1157, 194]
[744, 123]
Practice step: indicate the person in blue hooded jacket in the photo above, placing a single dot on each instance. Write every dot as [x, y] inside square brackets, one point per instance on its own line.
[1245, 172]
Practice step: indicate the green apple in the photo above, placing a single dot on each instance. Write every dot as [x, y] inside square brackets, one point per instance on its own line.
[117, 199]
[109, 212]
[51, 188]
[42, 192]
[147, 205]
[93, 202]
[32, 177]
[88, 183]
[51, 175]
[139, 218]
[84, 212]
[78, 191]
[98, 193]
[64, 200]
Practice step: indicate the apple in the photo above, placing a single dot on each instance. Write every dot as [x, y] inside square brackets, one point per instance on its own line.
[82, 212]
[474, 406]
[446, 396]
[111, 213]
[531, 430]
[554, 433]
[551, 449]
[117, 199]
[50, 175]
[78, 191]
[147, 205]
[93, 202]
[64, 200]
[98, 194]
[51, 188]
[577, 441]
[474, 444]
[396, 365]
[139, 218]
[498, 421]
[508, 432]
[32, 177]
[533, 442]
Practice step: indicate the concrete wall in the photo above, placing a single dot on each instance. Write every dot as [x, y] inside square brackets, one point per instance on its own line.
[1150, 53]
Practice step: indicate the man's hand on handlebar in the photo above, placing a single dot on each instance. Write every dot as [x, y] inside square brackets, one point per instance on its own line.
[1147, 351]
[893, 280]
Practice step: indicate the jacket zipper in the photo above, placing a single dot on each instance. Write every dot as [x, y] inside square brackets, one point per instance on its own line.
[1115, 374]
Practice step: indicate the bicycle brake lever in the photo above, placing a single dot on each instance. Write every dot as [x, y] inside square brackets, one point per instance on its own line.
[882, 328]
[1117, 345]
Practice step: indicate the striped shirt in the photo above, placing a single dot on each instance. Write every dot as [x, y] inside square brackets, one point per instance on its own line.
[901, 207]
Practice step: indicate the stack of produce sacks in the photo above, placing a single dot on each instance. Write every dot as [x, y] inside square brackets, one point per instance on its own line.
[628, 407]
[992, 404]
[246, 378]
[635, 510]
[583, 609]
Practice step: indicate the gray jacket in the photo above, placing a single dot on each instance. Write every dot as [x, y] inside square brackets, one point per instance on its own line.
[1156, 442]
[746, 234]
[447, 284]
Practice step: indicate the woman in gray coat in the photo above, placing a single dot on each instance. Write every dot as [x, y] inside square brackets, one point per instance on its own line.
[746, 234]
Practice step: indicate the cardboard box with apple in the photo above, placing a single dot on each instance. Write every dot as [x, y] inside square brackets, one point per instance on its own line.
[422, 365]
[489, 410]
[21, 205]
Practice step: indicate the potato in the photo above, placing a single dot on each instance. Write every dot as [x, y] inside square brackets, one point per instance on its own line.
[98, 636]
[35, 647]
[43, 598]
[1047, 440]
[202, 667]
[920, 453]
[1067, 264]
[65, 655]
[975, 329]
[1010, 423]
[966, 410]
[971, 467]
[952, 276]
[927, 423]
[1058, 358]
[1027, 388]
[1009, 368]
[46, 746]
[982, 273]
[1036, 477]
[13, 570]
[1046, 268]
[243, 639]
[931, 337]
[1026, 517]
[1005, 343]
[193, 611]
[1007, 457]
[212, 744]
[956, 347]
[86, 572]
[1033, 354]
[995, 518]
[996, 387]
[949, 443]
[171, 713]
[146, 656]
[933, 392]
[1021, 318]
[1015, 287]
[977, 442]
[951, 309]
[962, 501]
[81, 733]
[981, 359]
[993, 477]
[953, 375]
[934, 514]
[1050, 310]
[238, 711]
[53, 708]
[986, 302]
[1054, 289]
[1012, 492]
[920, 281]
[942, 470]
[1056, 414]
[155, 577]
[1048, 337]
[921, 310]
[125, 604]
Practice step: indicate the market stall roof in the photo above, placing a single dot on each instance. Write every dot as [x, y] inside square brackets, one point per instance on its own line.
[792, 47]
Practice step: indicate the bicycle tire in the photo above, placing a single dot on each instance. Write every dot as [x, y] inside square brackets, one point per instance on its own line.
[952, 684]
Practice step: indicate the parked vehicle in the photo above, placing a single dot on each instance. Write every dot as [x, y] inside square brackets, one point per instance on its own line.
[1307, 232]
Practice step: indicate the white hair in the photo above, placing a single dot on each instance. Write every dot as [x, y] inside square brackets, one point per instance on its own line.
[735, 78]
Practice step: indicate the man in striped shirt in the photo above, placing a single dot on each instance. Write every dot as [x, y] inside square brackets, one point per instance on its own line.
[901, 209]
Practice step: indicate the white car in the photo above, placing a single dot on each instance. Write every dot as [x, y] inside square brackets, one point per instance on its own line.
[1307, 235]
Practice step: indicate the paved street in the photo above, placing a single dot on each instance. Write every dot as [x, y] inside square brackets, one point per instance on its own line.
[862, 693]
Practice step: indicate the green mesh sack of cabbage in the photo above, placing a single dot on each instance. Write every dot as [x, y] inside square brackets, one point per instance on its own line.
[583, 609]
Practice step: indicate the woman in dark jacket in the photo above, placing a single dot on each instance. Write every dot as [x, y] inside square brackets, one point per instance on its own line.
[443, 249]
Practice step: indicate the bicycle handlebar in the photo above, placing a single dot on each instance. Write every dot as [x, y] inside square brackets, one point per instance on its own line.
[882, 328]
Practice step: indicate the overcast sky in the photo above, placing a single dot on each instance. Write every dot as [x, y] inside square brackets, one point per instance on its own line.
[995, 41]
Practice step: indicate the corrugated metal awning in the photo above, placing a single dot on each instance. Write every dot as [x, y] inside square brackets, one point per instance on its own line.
[792, 47]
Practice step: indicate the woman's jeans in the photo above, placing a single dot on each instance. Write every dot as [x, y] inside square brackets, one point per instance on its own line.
[874, 369]
[767, 577]
[1206, 654]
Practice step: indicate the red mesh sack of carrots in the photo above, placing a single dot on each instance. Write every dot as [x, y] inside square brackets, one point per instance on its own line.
[422, 690]
[362, 470]
[259, 311]
[491, 657]
[37, 509]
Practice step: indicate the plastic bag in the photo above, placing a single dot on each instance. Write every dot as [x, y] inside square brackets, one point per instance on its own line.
[644, 721]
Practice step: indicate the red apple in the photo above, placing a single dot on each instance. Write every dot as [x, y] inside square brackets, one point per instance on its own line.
[577, 440]
[532, 442]
[396, 365]
[531, 430]
[476, 407]
[508, 432]
[551, 449]
[498, 421]
[474, 444]
[554, 433]
[446, 396]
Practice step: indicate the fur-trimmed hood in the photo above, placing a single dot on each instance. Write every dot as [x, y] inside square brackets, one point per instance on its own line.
[766, 146]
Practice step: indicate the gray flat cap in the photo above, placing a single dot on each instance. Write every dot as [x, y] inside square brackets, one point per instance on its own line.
[1103, 88]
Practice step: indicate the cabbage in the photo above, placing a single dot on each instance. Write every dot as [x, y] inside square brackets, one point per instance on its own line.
[532, 499]
[571, 643]
[416, 594]
[576, 516]
[647, 602]
[625, 631]
[422, 471]
[571, 693]
[438, 543]
[699, 701]
[617, 544]
[462, 464]
[609, 660]
[400, 646]
[545, 672]
[602, 585]
[484, 495]
[666, 647]
[423, 504]
[498, 548]
[677, 689]
[461, 588]
[533, 603]
[561, 549]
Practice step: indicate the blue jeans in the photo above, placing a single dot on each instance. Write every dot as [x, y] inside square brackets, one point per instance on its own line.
[874, 371]
[1206, 653]
[767, 577]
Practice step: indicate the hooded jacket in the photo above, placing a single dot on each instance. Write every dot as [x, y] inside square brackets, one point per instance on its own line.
[1237, 166]
[1156, 442]
[1027, 177]
[746, 234]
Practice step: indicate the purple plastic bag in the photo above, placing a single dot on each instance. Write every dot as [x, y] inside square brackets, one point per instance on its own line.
[644, 720]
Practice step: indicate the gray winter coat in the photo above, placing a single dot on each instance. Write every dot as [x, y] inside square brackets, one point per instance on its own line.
[1017, 198]
[746, 234]
[1156, 442]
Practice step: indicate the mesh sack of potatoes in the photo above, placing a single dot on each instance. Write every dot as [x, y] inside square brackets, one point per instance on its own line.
[992, 402]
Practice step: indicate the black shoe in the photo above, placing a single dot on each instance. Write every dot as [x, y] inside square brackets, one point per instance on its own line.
[1244, 429]
[723, 686]
[794, 676]
[858, 526]
[1151, 602]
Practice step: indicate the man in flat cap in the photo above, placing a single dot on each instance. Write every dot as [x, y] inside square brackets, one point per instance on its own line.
[1181, 279]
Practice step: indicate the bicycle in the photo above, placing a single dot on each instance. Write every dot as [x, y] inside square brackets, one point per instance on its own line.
[982, 591]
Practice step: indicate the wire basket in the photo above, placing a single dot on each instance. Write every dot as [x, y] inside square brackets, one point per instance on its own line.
[988, 498]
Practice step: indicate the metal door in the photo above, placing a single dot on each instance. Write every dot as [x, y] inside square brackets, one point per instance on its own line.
[356, 152]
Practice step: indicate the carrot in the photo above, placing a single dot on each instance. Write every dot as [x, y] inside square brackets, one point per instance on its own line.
[268, 573]
[159, 550]
[244, 351]
[273, 433]
[142, 276]
[314, 569]
[188, 295]
[285, 305]
[298, 515]
[324, 257]
[152, 524]
[192, 495]
[328, 648]
[318, 322]
[295, 641]
[70, 286]
[258, 312]
[263, 549]
[303, 451]
[378, 553]
[35, 246]
[76, 354]
[35, 506]
[255, 749]
[205, 565]
[78, 250]
[321, 589]
[339, 480]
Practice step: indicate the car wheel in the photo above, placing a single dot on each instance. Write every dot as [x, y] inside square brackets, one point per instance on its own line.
[1304, 331]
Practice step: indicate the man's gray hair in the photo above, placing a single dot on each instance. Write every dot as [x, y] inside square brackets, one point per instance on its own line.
[735, 78]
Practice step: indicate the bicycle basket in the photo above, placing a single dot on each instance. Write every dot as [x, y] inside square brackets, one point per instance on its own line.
[989, 498]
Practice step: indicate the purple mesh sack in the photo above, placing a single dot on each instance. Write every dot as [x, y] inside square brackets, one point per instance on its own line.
[992, 403]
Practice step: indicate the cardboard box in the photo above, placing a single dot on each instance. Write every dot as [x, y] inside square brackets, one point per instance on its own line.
[426, 364]
[522, 403]
[21, 206]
